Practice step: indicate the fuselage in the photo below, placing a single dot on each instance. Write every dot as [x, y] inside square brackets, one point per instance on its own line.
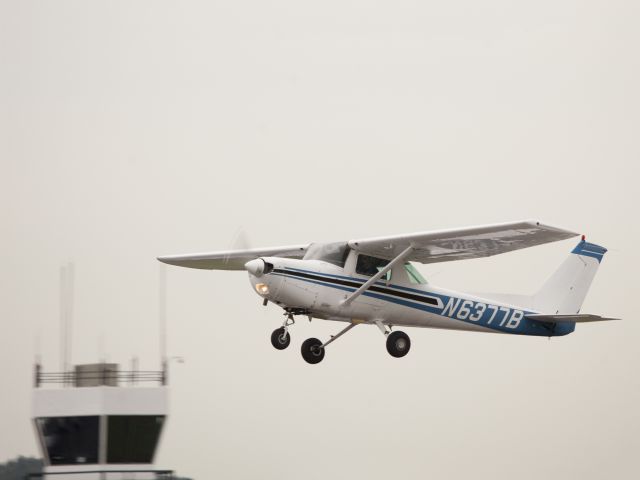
[318, 289]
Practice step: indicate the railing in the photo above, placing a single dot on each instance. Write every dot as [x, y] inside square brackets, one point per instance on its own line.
[111, 474]
[101, 376]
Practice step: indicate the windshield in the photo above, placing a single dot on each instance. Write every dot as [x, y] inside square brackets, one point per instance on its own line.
[414, 275]
[334, 253]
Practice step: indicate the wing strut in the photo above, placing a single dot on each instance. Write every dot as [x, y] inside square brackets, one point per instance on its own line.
[404, 254]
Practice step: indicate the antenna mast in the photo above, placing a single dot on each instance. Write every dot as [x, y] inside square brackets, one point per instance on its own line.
[162, 313]
[66, 314]
[63, 316]
[70, 301]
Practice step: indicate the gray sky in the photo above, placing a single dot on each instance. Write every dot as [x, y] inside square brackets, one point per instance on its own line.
[133, 129]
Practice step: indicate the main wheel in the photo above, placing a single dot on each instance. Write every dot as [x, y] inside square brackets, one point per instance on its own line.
[280, 338]
[398, 344]
[312, 350]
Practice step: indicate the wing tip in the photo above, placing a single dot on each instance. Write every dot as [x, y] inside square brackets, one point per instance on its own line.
[168, 260]
[546, 226]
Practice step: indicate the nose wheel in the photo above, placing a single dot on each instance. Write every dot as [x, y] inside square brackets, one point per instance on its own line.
[280, 338]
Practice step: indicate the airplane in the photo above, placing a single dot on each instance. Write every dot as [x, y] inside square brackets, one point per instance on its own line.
[372, 281]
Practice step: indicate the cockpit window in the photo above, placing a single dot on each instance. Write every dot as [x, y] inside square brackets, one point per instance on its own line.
[369, 266]
[414, 275]
[334, 253]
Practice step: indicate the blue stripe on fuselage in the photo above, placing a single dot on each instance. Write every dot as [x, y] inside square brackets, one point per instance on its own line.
[361, 281]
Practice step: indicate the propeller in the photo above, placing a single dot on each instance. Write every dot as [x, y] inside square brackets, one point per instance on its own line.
[256, 267]
[240, 240]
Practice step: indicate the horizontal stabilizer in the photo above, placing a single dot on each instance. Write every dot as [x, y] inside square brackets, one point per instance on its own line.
[578, 318]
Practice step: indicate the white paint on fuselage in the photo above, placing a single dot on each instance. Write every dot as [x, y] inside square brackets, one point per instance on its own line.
[324, 302]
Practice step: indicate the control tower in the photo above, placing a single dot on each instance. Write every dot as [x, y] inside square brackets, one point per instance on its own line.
[99, 423]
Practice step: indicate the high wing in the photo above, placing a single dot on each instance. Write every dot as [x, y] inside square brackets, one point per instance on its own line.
[462, 243]
[426, 247]
[232, 259]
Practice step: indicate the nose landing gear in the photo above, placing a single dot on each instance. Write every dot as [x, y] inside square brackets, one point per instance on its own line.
[280, 338]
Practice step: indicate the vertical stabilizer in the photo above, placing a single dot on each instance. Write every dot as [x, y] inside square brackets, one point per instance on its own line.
[567, 288]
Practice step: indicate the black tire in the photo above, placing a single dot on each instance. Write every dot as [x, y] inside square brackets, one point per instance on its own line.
[312, 351]
[280, 338]
[398, 344]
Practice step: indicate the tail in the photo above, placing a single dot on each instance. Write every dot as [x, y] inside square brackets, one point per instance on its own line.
[567, 288]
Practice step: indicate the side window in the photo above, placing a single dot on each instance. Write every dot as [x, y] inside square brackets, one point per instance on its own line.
[369, 266]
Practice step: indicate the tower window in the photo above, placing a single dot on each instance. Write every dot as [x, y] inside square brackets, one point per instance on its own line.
[70, 440]
[133, 438]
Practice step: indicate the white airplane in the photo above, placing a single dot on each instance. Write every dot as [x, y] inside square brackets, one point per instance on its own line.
[371, 281]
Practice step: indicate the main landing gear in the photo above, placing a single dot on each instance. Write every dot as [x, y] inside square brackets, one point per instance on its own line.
[398, 344]
[313, 350]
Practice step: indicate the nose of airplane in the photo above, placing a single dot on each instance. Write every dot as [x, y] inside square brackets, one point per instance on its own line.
[255, 267]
